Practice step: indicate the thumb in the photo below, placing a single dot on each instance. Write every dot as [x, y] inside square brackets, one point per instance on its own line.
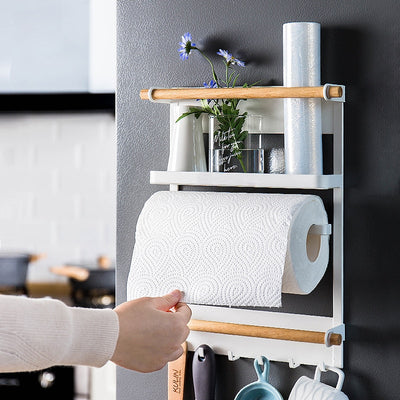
[166, 302]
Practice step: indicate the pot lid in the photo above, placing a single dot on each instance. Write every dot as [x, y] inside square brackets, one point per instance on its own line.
[22, 255]
[13, 254]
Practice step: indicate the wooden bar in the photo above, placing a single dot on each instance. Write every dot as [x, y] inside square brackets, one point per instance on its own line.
[242, 93]
[264, 332]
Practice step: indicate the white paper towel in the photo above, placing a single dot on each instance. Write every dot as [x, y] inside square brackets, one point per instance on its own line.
[302, 117]
[235, 249]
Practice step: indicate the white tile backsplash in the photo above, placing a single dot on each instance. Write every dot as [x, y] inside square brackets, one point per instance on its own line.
[58, 187]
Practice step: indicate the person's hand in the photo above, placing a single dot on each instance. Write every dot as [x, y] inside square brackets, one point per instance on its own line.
[151, 331]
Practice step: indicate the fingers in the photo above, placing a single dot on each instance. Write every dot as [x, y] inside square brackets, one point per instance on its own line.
[165, 303]
[183, 310]
[176, 354]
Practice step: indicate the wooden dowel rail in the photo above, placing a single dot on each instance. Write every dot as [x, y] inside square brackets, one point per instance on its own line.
[275, 92]
[265, 332]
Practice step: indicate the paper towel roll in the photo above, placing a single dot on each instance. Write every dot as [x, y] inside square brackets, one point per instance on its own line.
[302, 117]
[234, 249]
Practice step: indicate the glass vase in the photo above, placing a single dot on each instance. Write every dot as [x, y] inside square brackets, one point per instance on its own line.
[226, 143]
[249, 161]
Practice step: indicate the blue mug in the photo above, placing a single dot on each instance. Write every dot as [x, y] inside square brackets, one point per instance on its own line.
[261, 389]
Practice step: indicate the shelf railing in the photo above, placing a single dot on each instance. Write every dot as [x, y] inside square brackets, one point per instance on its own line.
[266, 332]
[327, 91]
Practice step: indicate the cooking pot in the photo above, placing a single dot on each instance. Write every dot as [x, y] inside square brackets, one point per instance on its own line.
[87, 277]
[14, 268]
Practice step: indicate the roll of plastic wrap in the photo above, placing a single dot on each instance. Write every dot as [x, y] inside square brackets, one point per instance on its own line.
[234, 249]
[302, 117]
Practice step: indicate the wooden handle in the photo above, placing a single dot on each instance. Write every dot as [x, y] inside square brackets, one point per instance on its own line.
[242, 93]
[103, 262]
[37, 257]
[70, 271]
[176, 376]
[264, 332]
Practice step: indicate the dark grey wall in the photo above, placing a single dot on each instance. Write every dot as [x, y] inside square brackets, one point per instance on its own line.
[360, 48]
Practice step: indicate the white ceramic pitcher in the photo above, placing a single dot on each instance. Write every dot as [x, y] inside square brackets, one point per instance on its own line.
[186, 152]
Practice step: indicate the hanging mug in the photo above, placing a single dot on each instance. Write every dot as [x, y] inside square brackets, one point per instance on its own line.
[313, 389]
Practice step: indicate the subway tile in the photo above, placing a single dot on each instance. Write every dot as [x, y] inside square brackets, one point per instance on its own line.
[25, 234]
[17, 180]
[101, 208]
[56, 156]
[58, 180]
[55, 207]
[84, 128]
[14, 206]
[83, 232]
[79, 182]
[24, 129]
[102, 156]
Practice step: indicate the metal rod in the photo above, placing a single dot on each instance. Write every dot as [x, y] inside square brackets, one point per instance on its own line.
[264, 332]
[240, 93]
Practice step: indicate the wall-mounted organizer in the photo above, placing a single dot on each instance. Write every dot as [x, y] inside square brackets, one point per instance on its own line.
[293, 338]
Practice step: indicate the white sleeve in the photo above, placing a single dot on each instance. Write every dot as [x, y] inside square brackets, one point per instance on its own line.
[39, 333]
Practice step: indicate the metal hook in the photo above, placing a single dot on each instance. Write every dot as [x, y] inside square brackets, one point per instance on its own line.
[232, 357]
[200, 352]
[322, 367]
[260, 361]
[293, 364]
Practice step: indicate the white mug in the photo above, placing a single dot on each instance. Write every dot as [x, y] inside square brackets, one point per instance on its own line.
[312, 389]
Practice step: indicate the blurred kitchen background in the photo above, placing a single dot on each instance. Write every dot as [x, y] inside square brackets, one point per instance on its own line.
[58, 167]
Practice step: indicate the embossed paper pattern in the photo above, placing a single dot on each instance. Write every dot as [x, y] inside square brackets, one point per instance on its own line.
[219, 248]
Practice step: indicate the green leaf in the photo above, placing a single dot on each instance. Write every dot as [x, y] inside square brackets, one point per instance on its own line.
[243, 135]
[192, 110]
[234, 81]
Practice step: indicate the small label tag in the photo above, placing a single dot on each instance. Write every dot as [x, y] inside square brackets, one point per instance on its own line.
[176, 380]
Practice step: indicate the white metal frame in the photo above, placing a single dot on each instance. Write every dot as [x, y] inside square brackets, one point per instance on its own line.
[295, 353]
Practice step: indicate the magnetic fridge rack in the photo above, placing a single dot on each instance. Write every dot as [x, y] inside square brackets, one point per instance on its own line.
[235, 332]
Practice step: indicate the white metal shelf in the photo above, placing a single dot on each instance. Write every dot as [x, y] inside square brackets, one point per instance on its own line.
[279, 350]
[238, 179]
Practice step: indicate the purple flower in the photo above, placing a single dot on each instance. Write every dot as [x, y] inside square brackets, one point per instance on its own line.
[228, 56]
[211, 85]
[186, 46]
[230, 60]
[240, 63]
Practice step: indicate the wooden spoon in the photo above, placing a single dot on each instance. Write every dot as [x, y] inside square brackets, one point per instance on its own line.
[78, 273]
[176, 376]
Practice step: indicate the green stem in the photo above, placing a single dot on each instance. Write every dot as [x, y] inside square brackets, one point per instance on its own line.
[239, 155]
[241, 163]
[212, 66]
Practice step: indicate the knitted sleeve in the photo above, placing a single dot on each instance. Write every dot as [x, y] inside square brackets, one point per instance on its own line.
[39, 333]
